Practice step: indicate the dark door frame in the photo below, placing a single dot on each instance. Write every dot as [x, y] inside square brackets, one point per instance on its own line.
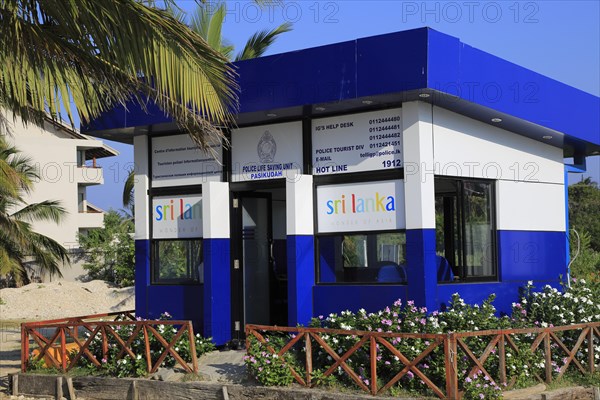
[237, 260]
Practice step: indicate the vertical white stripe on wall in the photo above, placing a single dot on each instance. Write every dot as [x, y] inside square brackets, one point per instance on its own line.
[299, 205]
[215, 210]
[141, 186]
[418, 165]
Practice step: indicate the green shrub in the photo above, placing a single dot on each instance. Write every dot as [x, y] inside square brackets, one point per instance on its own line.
[548, 307]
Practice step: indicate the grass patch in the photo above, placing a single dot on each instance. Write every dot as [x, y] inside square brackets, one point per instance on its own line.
[570, 379]
[2, 302]
[191, 377]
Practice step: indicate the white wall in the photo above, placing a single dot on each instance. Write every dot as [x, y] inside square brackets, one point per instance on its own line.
[141, 186]
[417, 141]
[529, 174]
[530, 206]
[469, 148]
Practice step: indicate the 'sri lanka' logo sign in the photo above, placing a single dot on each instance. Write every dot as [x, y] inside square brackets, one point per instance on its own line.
[177, 209]
[355, 204]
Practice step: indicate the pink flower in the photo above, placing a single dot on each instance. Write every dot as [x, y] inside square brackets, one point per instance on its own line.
[481, 396]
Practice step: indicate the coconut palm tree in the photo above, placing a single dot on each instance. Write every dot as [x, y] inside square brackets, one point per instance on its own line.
[98, 54]
[19, 244]
[207, 21]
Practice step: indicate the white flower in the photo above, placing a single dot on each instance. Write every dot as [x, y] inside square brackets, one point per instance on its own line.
[529, 283]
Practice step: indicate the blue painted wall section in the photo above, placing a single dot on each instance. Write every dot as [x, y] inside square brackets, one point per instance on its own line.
[217, 290]
[301, 278]
[336, 298]
[142, 277]
[181, 301]
[422, 267]
[531, 255]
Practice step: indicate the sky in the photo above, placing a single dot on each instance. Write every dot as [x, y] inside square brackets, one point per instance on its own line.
[559, 39]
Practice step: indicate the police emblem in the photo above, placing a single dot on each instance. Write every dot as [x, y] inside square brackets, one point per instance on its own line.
[266, 148]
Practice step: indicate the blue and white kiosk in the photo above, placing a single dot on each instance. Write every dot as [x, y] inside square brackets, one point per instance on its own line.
[408, 165]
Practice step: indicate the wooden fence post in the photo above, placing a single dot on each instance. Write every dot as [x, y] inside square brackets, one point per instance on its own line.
[502, 358]
[24, 347]
[373, 366]
[451, 365]
[590, 340]
[147, 350]
[190, 328]
[548, 357]
[308, 346]
[63, 350]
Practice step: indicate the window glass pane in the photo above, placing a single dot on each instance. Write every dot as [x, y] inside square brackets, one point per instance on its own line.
[178, 261]
[478, 229]
[370, 258]
[464, 229]
[354, 251]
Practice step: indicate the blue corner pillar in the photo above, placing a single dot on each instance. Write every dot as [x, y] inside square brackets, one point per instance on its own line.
[419, 203]
[216, 242]
[300, 248]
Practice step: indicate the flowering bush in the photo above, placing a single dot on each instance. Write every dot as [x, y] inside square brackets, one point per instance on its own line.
[535, 309]
[127, 366]
[480, 387]
[269, 369]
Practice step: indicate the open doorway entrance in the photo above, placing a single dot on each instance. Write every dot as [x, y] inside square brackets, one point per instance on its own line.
[259, 270]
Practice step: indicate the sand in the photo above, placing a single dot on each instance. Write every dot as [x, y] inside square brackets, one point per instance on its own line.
[41, 301]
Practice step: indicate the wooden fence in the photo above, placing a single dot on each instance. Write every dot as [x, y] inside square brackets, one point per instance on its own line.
[60, 342]
[545, 340]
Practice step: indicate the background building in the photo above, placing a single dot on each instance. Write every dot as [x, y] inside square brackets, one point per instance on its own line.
[67, 162]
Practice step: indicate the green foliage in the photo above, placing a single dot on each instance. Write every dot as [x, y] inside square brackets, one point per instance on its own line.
[584, 210]
[109, 251]
[585, 262]
[480, 387]
[268, 369]
[92, 54]
[548, 307]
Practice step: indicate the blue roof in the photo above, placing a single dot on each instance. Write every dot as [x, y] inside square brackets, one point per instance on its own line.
[391, 68]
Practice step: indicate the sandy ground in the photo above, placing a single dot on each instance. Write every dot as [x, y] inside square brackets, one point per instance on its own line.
[36, 302]
[40, 301]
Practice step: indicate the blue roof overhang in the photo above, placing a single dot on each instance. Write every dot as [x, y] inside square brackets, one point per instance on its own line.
[389, 69]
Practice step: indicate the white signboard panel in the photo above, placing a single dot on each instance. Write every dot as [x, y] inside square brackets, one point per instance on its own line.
[177, 217]
[370, 141]
[266, 152]
[359, 207]
[177, 160]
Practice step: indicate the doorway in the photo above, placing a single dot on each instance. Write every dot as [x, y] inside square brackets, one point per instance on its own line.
[259, 267]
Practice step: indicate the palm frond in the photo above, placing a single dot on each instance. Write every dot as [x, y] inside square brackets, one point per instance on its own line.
[95, 52]
[260, 42]
[47, 210]
[128, 189]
